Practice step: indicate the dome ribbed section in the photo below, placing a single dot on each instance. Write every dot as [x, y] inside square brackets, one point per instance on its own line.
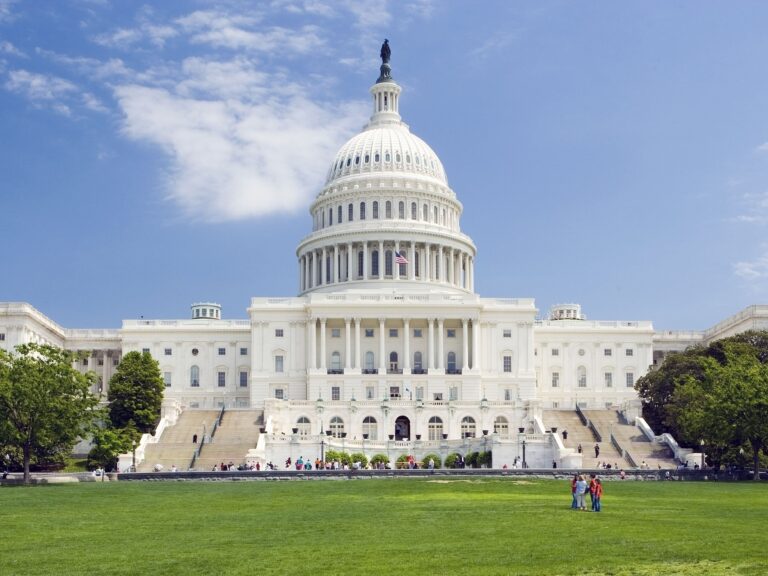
[387, 150]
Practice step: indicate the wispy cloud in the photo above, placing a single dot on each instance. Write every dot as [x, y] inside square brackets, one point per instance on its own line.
[495, 43]
[8, 48]
[756, 208]
[756, 269]
[6, 10]
[762, 149]
[42, 90]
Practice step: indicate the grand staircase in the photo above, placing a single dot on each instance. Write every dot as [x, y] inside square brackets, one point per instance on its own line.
[237, 433]
[175, 446]
[634, 447]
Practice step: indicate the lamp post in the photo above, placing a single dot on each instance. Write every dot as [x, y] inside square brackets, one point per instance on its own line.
[702, 454]
[133, 463]
[525, 465]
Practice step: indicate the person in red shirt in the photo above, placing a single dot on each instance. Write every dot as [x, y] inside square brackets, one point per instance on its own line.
[597, 497]
[573, 490]
[592, 484]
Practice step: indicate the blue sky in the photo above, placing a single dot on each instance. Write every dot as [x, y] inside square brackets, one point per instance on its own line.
[613, 154]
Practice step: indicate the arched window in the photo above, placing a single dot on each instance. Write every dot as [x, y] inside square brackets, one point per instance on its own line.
[360, 264]
[375, 209]
[350, 213]
[425, 213]
[367, 158]
[435, 215]
[357, 160]
[371, 427]
[335, 361]
[375, 264]
[388, 263]
[393, 362]
[501, 427]
[468, 428]
[194, 377]
[376, 157]
[330, 216]
[369, 361]
[387, 157]
[362, 210]
[327, 269]
[414, 211]
[417, 361]
[435, 428]
[388, 210]
[304, 426]
[398, 159]
[401, 210]
[339, 217]
[452, 361]
[416, 267]
[337, 427]
[445, 221]
[581, 374]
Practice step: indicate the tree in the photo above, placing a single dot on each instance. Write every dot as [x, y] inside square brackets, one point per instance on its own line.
[726, 406]
[45, 404]
[136, 392]
[108, 444]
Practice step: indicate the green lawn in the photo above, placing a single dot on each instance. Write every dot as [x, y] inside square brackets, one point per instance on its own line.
[383, 526]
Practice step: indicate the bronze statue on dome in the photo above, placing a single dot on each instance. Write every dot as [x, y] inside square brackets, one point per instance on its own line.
[385, 52]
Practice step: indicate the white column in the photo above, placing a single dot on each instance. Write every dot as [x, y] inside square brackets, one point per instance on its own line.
[358, 360]
[430, 343]
[323, 277]
[451, 257]
[464, 345]
[382, 349]
[440, 267]
[427, 267]
[412, 265]
[440, 345]
[322, 343]
[471, 274]
[301, 275]
[366, 273]
[406, 347]
[348, 276]
[312, 329]
[348, 342]
[382, 263]
[475, 343]
[336, 263]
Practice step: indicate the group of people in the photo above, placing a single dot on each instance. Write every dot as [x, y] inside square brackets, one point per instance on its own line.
[579, 490]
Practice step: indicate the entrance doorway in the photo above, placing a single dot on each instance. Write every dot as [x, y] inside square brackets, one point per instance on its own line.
[402, 428]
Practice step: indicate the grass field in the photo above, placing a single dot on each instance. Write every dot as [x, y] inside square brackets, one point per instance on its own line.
[394, 526]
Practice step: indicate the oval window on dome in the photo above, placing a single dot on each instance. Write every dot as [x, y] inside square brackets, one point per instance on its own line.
[418, 161]
[387, 157]
[349, 161]
[397, 158]
[357, 160]
[376, 157]
[407, 158]
[367, 158]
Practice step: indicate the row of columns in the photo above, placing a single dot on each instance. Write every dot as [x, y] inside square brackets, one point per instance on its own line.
[433, 361]
[338, 263]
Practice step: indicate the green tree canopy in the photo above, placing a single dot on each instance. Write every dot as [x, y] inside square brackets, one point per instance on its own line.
[45, 403]
[136, 392]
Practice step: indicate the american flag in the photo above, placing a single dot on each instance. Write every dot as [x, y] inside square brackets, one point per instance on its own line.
[400, 259]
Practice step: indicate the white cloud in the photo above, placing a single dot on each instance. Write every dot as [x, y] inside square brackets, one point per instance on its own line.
[762, 148]
[752, 270]
[92, 103]
[42, 90]
[6, 12]
[232, 159]
[756, 208]
[8, 48]
[497, 42]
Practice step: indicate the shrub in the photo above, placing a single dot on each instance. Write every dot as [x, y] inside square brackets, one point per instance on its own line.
[485, 459]
[450, 460]
[470, 460]
[377, 458]
[435, 457]
[402, 461]
[359, 457]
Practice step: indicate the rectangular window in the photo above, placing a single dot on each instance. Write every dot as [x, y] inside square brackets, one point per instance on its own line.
[507, 363]
[243, 379]
[555, 379]
[454, 393]
[222, 379]
[417, 332]
[335, 332]
[278, 332]
[145, 350]
[278, 363]
[279, 394]
[115, 362]
[451, 333]
[335, 393]
[609, 380]
[222, 351]
[555, 351]
[507, 333]
[419, 392]
[394, 392]
[85, 361]
[369, 392]
[607, 352]
[629, 352]
[369, 332]
[101, 361]
[168, 351]
[438, 396]
[393, 332]
[508, 395]
[167, 379]
[630, 379]
[243, 351]
[2, 336]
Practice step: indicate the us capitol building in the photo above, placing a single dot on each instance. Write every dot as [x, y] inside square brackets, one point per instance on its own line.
[387, 343]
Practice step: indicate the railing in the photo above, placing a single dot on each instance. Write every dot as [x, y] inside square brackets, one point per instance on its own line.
[196, 454]
[419, 371]
[217, 422]
[453, 371]
[395, 371]
[335, 370]
[624, 452]
[370, 371]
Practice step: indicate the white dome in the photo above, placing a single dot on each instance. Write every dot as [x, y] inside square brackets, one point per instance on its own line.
[387, 149]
